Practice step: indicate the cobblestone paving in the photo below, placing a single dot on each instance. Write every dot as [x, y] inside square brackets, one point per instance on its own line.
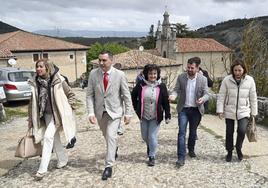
[86, 162]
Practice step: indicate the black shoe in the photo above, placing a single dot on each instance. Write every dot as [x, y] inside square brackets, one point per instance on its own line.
[180, 163]
[120, 133]
[229, 156]
[71, 143]
[116, 155]
[151, 161]
[192, 154]
[148, 151]
[107, 173]
[239, 154]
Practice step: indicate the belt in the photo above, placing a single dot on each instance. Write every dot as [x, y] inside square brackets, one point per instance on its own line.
[190, 107]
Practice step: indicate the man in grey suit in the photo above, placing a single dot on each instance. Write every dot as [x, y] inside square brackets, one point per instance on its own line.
[107, 91]
[192, 91]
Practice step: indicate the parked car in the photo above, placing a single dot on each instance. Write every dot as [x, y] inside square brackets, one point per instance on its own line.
[15, 83]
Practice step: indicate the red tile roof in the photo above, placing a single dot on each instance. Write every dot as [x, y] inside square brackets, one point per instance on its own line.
[135, 59]
[200, 45]
[5, 54]
[26, 41]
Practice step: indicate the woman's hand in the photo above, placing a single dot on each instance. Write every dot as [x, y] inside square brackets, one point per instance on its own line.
[221, 116]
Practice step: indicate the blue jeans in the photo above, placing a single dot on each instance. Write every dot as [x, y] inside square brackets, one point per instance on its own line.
[149, 132]
[193, 116]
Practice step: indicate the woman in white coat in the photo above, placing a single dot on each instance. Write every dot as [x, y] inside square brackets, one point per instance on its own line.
[237, 100]
[51, 110]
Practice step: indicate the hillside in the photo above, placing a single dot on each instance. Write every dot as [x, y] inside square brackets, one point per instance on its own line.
[89, 33]
[129, 42]
[230, 32]
[5, 28]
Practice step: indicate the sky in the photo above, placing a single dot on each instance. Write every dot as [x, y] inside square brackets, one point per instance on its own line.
[123, 15]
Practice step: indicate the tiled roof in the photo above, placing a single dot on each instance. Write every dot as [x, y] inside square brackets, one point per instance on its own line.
[153, 51]
[134, 58]
[5, 53]
[200, 45]
[26, 41]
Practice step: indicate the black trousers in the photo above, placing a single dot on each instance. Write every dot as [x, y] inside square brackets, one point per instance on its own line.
[241, 131]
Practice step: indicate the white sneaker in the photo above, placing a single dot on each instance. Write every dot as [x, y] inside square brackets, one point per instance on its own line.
[39, 176]
[61, 165]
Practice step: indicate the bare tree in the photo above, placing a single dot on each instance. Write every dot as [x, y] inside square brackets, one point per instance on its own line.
[254, 48]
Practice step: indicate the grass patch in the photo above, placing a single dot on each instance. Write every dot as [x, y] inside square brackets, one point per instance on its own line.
[12, 113]
[15, 112]
[213, 133]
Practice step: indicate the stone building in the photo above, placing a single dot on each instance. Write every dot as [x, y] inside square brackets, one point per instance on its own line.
[133, 62]
[28, 47]
[215, 57]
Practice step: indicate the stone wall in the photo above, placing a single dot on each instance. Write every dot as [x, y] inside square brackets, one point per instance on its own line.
[262, 107]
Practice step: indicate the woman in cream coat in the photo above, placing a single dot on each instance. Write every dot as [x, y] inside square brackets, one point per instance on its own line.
[237, 100]
[51, 110]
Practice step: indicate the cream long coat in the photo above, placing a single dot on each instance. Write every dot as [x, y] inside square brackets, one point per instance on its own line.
[62, 101]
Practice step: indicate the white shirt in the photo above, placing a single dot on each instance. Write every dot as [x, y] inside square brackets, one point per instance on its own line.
[190, 100]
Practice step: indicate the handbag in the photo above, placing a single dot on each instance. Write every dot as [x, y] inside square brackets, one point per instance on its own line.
[27, 148]
[252, 130]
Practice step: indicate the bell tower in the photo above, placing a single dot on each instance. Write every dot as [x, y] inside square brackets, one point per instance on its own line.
[166, 38]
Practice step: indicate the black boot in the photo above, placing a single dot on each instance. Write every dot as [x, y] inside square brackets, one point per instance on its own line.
[151, 161]
[229, 156]
[148, 150]
[239, 154]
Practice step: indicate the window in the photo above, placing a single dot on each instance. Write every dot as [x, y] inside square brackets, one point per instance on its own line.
[71, 56]
[45, 55]
[35, 57]
[20, 76]
[165, 54]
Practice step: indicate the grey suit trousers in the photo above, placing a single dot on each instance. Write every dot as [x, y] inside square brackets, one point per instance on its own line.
[109, 128]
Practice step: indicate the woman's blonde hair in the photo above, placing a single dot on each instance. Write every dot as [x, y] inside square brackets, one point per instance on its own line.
[49, 66]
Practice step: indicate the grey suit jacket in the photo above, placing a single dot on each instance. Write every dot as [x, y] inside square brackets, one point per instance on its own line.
[110, 100]
[201, 90]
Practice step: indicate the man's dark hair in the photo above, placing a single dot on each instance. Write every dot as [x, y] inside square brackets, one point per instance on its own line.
[195, 60]
[110, 54]
[150, 67]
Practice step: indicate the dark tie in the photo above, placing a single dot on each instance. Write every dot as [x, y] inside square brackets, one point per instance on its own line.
[105, 80]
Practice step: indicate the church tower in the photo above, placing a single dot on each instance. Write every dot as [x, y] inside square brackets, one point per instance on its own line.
[166, 38]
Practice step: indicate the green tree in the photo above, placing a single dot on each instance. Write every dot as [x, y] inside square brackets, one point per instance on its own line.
[95, 49]
[183, 31]
[255, 52]
[150, 39]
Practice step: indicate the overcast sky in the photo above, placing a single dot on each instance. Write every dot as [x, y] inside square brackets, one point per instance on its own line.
[123, 15]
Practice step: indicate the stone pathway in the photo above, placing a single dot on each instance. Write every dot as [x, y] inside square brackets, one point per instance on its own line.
[86, 160]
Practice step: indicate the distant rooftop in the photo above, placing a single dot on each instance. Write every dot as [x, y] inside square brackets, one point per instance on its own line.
[26, 41]
[136, 59]
[200, 45]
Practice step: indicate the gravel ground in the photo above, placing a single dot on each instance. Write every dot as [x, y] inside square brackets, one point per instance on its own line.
[86, 160]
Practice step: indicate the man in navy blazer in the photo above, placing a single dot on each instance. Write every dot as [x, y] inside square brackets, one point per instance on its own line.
[192, 91]
[105, 104]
